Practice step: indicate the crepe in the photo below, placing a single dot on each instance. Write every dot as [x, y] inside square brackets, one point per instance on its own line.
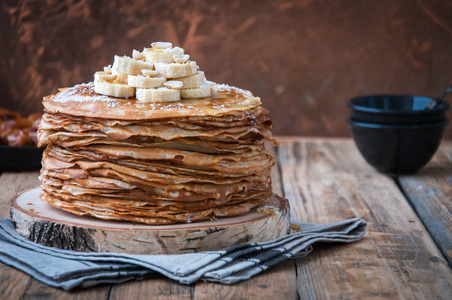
[81, 100]
[155, 163]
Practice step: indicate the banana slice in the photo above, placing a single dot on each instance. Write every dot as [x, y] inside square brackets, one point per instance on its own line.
[193, 81]
[137, 55]
[181, 58]
[149, 73]
[120, 90]
[176, 70]
[104, 76]
[164, 55]
[161, 45]
[130, 66]
[120, 77]
[108, 69]
[140, 81]
[173, 84]
[200, 92]
[162, 94]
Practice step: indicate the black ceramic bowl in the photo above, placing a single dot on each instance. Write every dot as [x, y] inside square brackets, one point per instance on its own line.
[397, 149]
[396, 109]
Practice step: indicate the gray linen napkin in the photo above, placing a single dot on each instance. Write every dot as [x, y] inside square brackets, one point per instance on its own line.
[68, 269]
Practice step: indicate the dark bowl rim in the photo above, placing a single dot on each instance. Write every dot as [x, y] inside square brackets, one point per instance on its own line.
[445, 106]
[403, 126]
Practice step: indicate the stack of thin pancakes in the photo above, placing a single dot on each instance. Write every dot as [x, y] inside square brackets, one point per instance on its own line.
[155, 163]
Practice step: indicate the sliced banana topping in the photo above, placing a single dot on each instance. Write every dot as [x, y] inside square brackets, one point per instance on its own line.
[120, 77]
[200, 92]
[149, 73]
[173, 84]
[193, 81]
[158, 95]
[181, 58]
[176, 70]
[165, 55]
[104, 76]
[140, 81]
[120, 90]
[108, 69]
[130, 66]
[137, 55]
[161, 45]
[162, 73]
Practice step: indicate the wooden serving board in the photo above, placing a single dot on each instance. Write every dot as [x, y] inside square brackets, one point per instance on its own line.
[47, 225]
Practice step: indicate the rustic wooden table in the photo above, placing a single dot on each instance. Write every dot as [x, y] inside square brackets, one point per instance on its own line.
[406, 253]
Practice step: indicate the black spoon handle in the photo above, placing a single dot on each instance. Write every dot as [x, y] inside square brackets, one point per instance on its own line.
[440, 99]
[445, 93]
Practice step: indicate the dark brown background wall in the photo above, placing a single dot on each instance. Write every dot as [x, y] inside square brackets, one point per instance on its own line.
[303, 58]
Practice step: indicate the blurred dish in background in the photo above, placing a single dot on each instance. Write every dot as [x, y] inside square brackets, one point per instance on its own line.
[18, 140]
[18, 131]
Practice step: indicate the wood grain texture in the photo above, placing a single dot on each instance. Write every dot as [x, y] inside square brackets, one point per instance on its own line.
[430, 193]
[277, 283]
[13, 282]
[304, 58]
[275, 172]
[12, 184]
[158, 288]
[328, 181]
[37, 290]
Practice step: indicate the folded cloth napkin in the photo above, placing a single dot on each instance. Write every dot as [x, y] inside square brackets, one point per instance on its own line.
[68, 269]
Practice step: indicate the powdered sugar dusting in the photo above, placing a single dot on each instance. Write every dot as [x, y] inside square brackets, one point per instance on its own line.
[179, 106]
[222, 86]
[218, 89]
[218, 106]
[175, 49]
[224, 98]
[79, 92]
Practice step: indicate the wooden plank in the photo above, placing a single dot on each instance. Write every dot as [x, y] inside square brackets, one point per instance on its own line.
[275, 172]
[278, 282]
[13, 183]
[37, 290]
[15, 284]
[430, 193]
[328, 181]
[158, 288]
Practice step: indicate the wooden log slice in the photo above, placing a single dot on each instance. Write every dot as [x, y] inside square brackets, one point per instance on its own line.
[49, 226]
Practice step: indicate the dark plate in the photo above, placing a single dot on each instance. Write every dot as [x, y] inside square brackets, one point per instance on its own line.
[20, 158]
